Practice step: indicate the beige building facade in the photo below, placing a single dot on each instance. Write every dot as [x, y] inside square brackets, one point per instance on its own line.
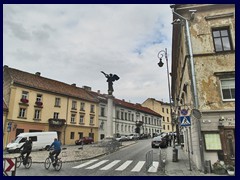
[165, 110]
[40, 104]
[203, 79]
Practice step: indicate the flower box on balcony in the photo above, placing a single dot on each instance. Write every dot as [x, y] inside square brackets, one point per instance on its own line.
[24, 100]
[38, 103]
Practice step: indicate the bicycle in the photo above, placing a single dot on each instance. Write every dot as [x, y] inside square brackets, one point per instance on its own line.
[57, 161]
[20, 161]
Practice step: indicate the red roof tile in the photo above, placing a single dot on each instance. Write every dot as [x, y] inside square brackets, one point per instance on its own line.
[42, 83]
[137, 107]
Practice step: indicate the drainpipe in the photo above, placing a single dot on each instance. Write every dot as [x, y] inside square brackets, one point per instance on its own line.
[193, 84]
[64, 139]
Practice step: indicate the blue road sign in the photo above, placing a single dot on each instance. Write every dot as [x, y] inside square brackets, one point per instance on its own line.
[184, 112]
[185, 120]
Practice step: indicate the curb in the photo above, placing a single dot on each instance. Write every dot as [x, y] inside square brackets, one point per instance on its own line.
[99, 155]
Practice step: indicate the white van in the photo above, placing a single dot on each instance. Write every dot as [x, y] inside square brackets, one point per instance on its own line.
[40, 140]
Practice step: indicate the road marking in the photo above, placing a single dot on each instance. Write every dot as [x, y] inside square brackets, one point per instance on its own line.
[85, 164]
[98, 164]
[154, 167]
[138, 166]
[110, 165]
[124, 165]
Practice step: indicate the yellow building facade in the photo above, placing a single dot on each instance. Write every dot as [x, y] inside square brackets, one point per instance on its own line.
[163, 109]
[39, 104]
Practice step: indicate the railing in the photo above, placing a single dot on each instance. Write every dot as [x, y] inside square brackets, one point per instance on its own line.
[112, 146]
[162, 160]
[149, 159]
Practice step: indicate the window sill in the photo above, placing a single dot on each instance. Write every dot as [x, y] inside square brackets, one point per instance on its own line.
[37, 119]
[21, 117]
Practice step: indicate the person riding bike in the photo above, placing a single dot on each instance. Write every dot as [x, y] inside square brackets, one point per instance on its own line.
[27, 149]
[57, 149]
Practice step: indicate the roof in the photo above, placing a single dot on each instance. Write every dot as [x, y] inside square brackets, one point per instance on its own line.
[41, 83]
[136, 107]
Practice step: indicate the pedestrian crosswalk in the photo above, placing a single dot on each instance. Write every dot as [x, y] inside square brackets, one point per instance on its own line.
[117, 165]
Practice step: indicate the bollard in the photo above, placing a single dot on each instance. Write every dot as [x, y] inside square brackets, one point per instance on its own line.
[208, 168]
[175, 155]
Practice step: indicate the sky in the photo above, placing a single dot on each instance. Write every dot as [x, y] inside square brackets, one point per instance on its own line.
[73, 43]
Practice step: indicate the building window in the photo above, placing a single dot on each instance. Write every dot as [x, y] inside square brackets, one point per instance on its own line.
[37, 114]
[72, 135]
[80, 135]
[22, 112]
[167, 111]
[228, 89]
[55, 115]
[102, 111]
[24, 95]
[164, 127]
[81, 119]
[163, 110]
[92, 108]
[74, 104]
[132, 117]
[167, 119]
[82, 108]
[221, 39]
[163, 118]
[122, 115]
[57, 102]
[73, 118]
[118, 115]
[91, 119]
[125, 115]
[39, 98]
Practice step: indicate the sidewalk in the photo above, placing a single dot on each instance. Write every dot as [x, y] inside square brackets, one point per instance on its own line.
[182, 167]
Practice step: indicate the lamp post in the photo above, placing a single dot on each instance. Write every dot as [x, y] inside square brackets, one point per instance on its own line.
[193, 76]
[160, 64]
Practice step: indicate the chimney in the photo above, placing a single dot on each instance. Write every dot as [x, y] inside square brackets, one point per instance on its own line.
[87, 88]
[98, 91]
[73, 84]
[38, 74]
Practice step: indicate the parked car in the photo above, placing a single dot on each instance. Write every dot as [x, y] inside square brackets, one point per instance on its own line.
[133, 137]
[159, 142]
[122, 138]
[84, 140]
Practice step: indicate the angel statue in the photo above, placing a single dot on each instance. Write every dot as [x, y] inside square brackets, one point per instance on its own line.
[110, 79]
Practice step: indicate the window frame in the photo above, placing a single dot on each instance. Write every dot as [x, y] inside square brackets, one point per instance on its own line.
[226, 79]
[219, 29]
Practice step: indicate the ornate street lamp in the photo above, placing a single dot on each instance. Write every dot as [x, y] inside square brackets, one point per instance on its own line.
[160, 64]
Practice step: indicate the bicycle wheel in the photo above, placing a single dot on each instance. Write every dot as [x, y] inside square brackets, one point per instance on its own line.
[19, 161]
[29, 163]
[47, 163]
[58, 165]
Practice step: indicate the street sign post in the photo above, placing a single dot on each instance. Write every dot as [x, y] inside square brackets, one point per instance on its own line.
[185, 120]
[9, 165]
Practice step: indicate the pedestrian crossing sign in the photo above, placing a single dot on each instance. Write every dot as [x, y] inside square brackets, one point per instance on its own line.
[185, 120]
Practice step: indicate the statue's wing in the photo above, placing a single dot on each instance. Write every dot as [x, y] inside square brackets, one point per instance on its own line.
[115, 77]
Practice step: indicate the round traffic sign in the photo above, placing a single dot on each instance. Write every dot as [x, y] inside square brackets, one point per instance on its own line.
[184, 112]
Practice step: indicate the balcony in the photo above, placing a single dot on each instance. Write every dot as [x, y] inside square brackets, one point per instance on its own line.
[24, 100]
[38, 104]
[56, 122]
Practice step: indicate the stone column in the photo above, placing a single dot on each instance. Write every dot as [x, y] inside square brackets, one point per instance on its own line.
[109, 133]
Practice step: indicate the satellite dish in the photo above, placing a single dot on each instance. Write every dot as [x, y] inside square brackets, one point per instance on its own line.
[196, 113]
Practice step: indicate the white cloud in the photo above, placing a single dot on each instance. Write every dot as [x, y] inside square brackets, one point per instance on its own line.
[73, 43]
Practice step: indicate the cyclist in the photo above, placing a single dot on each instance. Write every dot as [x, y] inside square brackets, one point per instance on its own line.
[57, 149]
[27, 149]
